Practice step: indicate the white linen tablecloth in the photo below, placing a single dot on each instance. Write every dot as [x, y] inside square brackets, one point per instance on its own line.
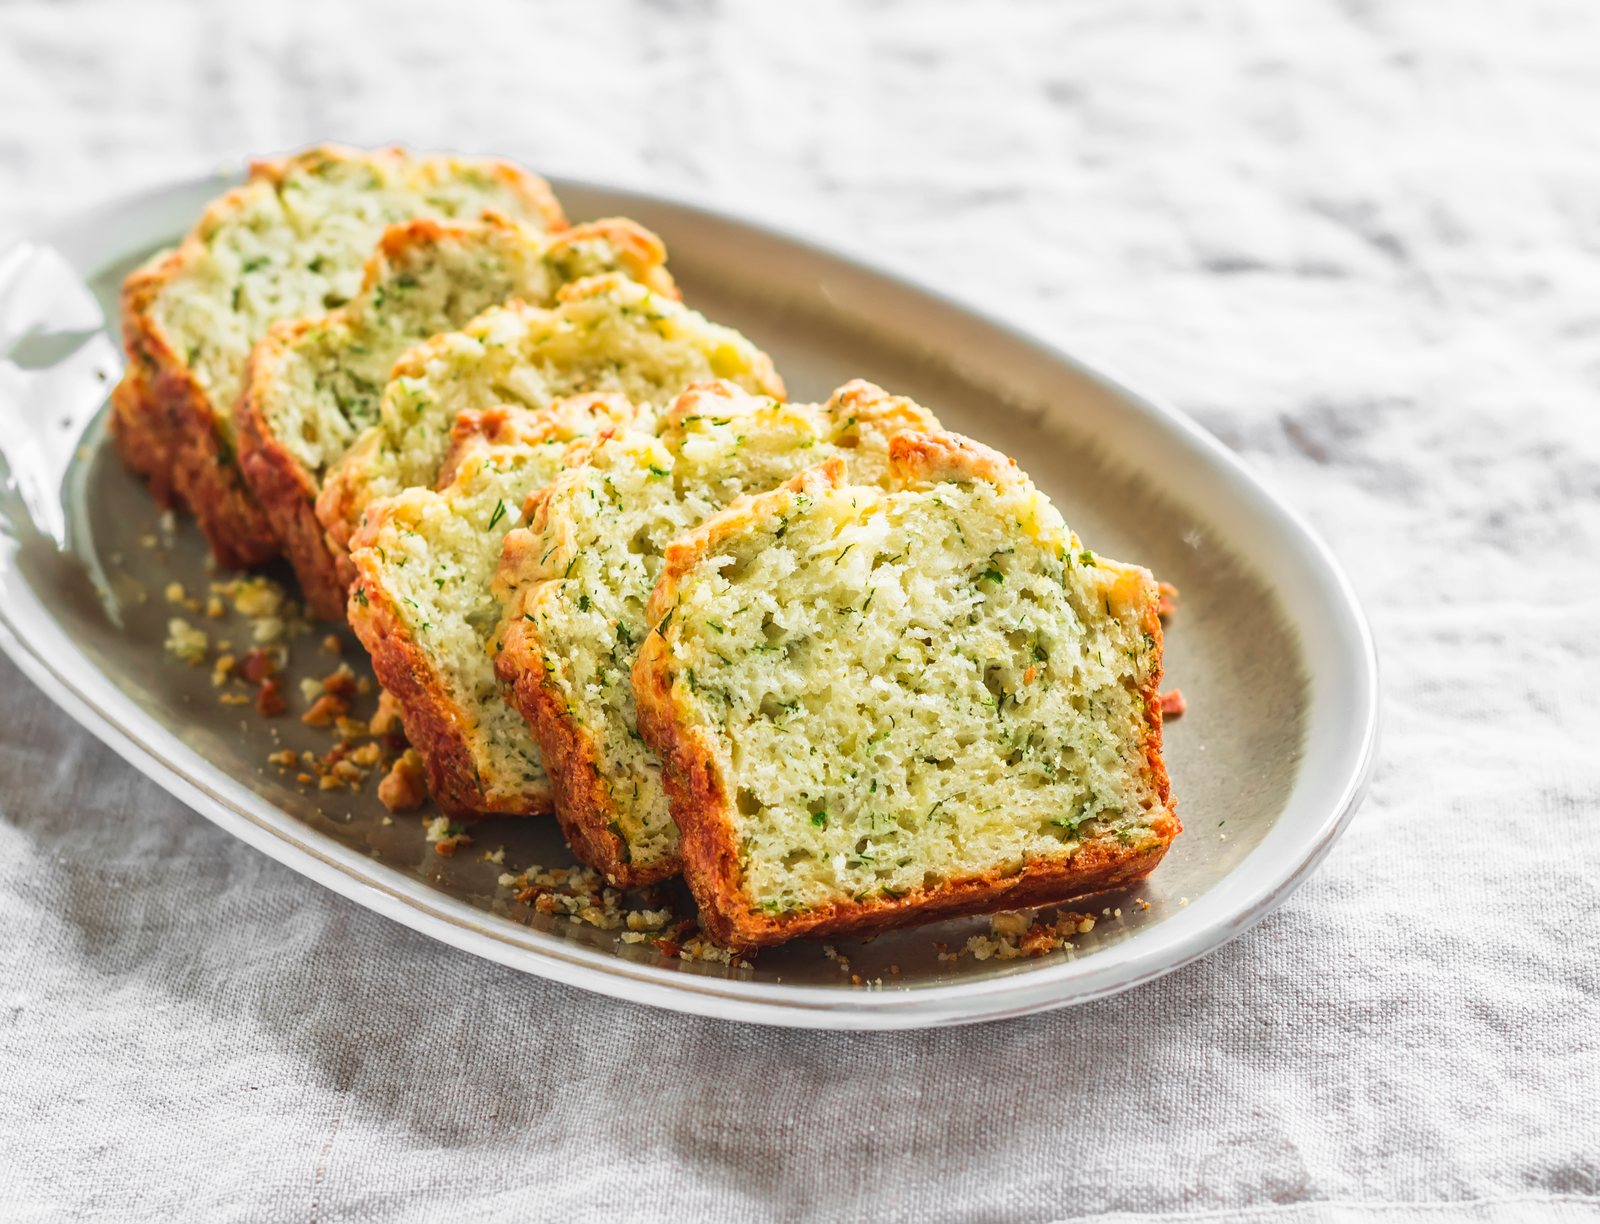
[1358, 241]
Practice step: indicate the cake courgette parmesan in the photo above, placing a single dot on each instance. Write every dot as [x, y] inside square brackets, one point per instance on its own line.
[607, 334]
[291, 241]
[313, 384]
[886, 705]
[576, 580]
[422, 607]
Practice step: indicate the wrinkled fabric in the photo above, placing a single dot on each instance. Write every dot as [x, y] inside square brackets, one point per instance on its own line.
[1359, 242]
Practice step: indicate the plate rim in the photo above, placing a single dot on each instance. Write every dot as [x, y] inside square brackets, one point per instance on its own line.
[1206, 925]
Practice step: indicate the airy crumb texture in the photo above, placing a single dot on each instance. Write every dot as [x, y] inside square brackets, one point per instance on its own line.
[290, 242]
[422, 606]
[313, 384]
[608, 334]
[883, 707]
[576, 582]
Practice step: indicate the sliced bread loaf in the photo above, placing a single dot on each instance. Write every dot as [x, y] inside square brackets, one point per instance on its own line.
[313, 384]
[421, 602]
[290, 242]
[880, 707]
[607, 334]
[576, 581]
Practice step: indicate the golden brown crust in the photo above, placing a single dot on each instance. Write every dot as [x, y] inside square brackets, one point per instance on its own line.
[205, 474]
[939, 455]
[139, 421]
[433, 722]
[698, 795]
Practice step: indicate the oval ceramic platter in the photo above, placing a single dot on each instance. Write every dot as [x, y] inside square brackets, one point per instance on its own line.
[1268, 643]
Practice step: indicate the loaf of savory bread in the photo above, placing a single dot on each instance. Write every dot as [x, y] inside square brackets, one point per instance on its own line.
[844, 670]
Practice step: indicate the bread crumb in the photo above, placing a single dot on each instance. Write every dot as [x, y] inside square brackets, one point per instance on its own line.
[254, 597]
[186, 642]
[341, 683]
[267, 630]
[175, 592]
[1172, 704]
[404, 787]
[1015, 923]
[285, 759]
[234, 699]
[333, 644]
[258, 665]
[325, 710]
[269, 699]
[445, 834]
[215, 608]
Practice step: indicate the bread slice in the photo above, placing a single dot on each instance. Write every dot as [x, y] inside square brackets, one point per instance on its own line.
[289, 242]
[880, 707]
[576, 581]
[312, 385]
[421, 602]
[607, 334]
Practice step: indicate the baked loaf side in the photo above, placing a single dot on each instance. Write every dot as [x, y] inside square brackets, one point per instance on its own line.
[577, 579]
[421, 603]
[880, 707]
[289, 242]
[607, 334]
[312, 385]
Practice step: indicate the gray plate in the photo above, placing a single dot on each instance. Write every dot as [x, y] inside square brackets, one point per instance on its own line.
[1269, 645]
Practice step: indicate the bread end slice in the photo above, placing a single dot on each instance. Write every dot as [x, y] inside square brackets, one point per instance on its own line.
[878, 708]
